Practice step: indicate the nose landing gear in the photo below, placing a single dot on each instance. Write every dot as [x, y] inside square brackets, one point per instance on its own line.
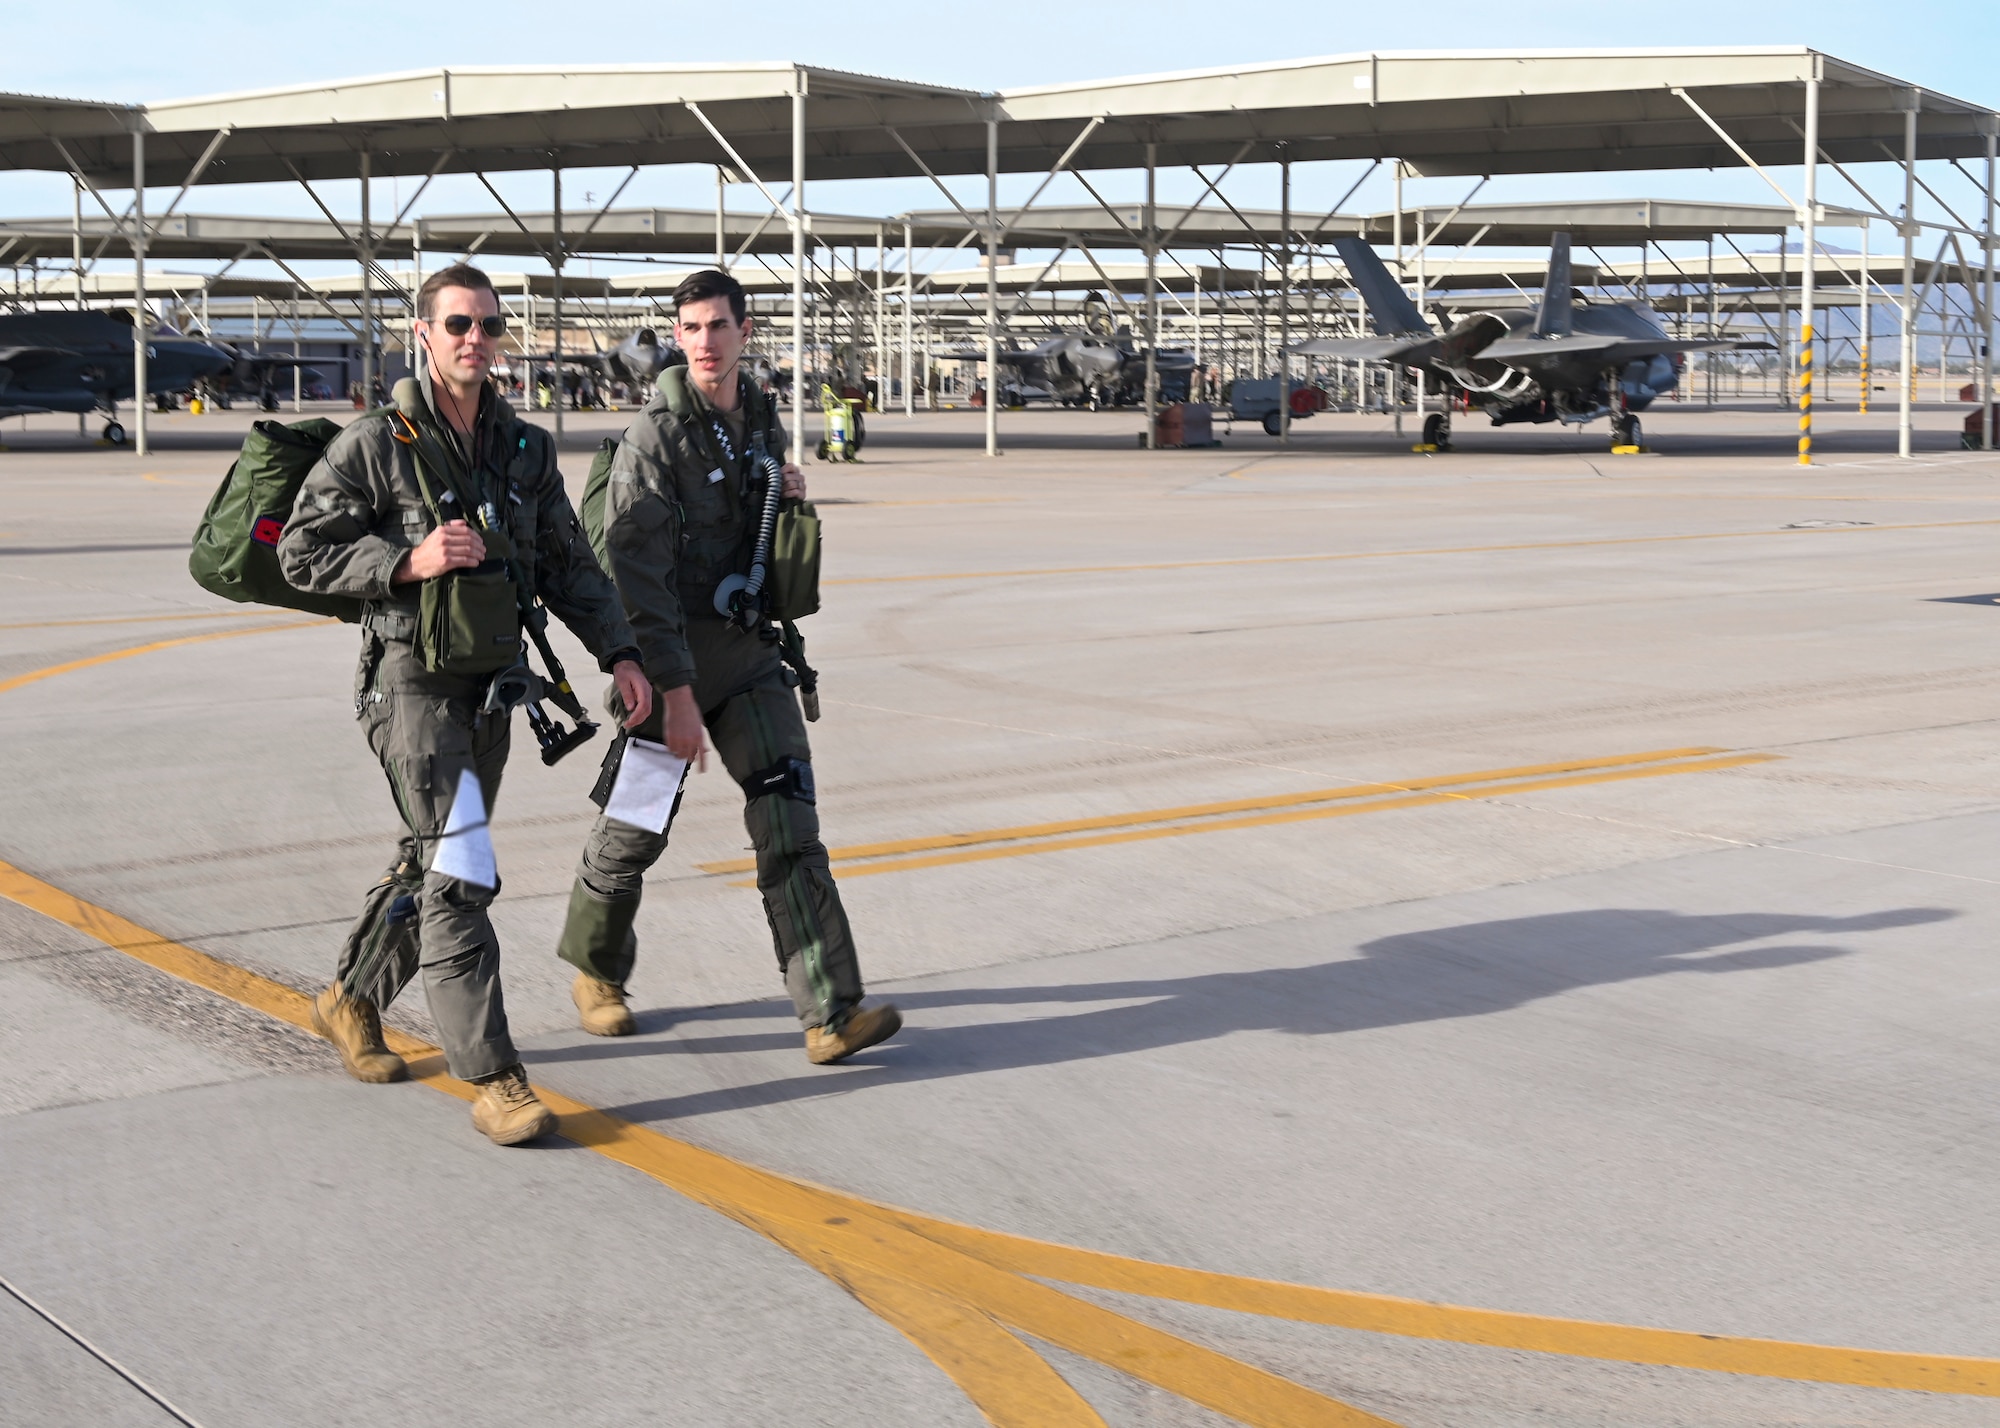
[1437, 431]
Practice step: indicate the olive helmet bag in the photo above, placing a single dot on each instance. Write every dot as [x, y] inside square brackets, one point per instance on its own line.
[794, 590]
[596, 486]
[235, 550]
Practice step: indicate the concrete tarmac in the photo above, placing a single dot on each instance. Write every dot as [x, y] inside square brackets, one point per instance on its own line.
[1525, 879]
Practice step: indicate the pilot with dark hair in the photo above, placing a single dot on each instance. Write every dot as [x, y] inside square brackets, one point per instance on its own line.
[679, 517]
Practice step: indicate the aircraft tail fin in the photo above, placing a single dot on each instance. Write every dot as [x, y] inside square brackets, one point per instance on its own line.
[1553, 318]
[1388, 304]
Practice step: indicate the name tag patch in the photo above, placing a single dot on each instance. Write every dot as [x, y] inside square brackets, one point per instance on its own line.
[715, 476]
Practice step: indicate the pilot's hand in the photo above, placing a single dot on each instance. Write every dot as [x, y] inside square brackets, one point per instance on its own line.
[685, 735]
[452, 546]
[794, 487]
[635, 692]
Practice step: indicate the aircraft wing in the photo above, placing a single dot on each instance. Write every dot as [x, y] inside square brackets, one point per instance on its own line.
[32, 356]
[1014, 358]
[1411, 350]
[1605, 349]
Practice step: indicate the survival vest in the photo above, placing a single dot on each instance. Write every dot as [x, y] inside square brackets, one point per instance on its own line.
[235, 552]
[718, 524]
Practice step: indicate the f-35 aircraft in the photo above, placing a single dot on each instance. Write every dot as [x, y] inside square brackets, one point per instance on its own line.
[636, 361]
[256, 377]
[1096, 366]
[1558, 360]
[82, 362]
[1084, 369]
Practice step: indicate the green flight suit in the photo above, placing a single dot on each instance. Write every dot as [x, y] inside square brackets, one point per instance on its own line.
[680, 515]
[358, 513]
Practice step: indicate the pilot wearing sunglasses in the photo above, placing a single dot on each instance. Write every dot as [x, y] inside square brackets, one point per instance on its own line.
[448, 481]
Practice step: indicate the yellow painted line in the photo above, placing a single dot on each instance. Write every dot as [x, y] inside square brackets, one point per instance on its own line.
[950, 1285]
[252, 613]
[34, 676]
[964, 1295]
[1421, 1319]
[1390, 554]
[1343, 810]
[920, 1281]
[1205, 810]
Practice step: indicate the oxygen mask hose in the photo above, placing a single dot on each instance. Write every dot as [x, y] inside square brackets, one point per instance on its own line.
[740, 598]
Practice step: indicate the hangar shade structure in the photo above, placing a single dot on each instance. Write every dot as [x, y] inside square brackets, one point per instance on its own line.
[1471, 113]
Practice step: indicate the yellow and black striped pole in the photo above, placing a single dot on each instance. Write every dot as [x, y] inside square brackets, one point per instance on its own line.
[1864, 379]
[1805, 393]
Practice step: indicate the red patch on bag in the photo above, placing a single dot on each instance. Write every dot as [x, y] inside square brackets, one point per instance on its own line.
[267, 530]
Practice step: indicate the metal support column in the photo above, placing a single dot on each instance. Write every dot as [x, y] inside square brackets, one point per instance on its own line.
[76, 261]
[909, 302]
[1866, 335]
[1714, 316]
[993, 286]
[1151, 236]
[1786, 355]
[798, 267]
[721, 238]
[1284, 301]
[367, 293]
[76, 237]
[881, 321]
[1808, 222]
[140, 327]
[556, 312]
[1906, 375]
[1987, 434]
[1395, 373]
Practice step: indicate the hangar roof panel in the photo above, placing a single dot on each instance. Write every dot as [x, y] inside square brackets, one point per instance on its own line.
[1444, 112]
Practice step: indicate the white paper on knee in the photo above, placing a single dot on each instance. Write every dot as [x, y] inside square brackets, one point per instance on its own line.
[465, 849]
[649, 779]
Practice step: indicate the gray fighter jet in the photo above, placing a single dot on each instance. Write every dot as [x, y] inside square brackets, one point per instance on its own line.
[1083, 369]
[82, 362]
[1559, 360]
[636, 361]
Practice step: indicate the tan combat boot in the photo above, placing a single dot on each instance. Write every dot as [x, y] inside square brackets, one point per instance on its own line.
[355, 1030]
[860, 1029]
[507, 1112]
[601, 1006]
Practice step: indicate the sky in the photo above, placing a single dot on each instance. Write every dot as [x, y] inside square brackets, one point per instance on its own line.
[170, 52]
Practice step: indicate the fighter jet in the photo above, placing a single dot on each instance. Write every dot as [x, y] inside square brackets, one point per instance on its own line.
[82, 362]
[1559, 360]
[636, 361]
[1096, 366]
[256, 377]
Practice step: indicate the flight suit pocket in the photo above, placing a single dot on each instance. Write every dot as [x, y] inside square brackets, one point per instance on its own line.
[707, 504]
[636, 525]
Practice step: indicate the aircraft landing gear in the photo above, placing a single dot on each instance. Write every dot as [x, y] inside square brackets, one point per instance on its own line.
[268, 401]
[1625, 430]
[1437, 431]
[114, 432]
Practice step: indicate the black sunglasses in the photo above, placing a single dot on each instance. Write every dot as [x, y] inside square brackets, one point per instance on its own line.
[458, 324]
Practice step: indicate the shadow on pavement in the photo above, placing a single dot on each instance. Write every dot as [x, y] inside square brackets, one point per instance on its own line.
[1474, 969]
